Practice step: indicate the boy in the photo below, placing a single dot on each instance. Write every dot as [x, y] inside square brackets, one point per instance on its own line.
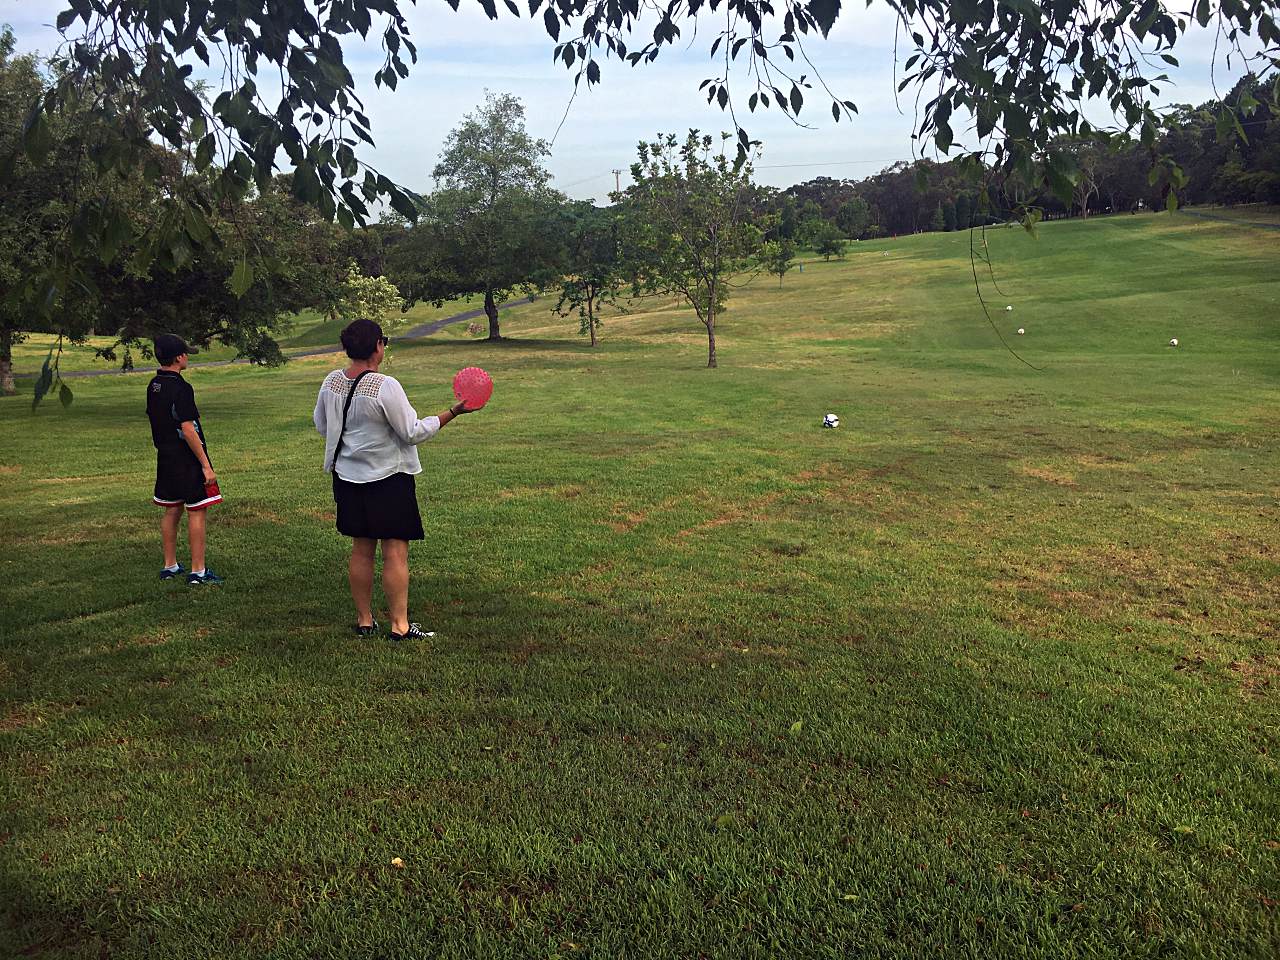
[184, 476]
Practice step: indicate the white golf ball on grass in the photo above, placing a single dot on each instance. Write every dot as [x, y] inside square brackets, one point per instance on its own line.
[1173, 342]
[831, 421]
[1009, 308]
[1021, 331]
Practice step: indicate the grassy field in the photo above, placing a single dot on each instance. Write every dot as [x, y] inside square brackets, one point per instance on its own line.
[991, 670]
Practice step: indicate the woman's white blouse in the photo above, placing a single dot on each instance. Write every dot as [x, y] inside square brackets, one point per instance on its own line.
[383, 429]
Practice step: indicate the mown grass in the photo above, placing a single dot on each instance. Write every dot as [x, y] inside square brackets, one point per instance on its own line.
[990, 670]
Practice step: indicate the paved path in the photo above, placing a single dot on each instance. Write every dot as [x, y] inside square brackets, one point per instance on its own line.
[1236, 220]
[413, 333]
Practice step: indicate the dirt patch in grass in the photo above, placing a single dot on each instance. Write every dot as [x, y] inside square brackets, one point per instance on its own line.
[9, 471]
[1102, 461]
[835, 483]
[101, 478]
[18, 718]
[1047, 475]
[1258, 675]
[119, 529]
[1208, 591]
[247, 514]
[152, 638]
[752, 510]
[25, 716]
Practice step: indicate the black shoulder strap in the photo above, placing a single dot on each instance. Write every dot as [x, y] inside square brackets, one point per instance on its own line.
[346, 408]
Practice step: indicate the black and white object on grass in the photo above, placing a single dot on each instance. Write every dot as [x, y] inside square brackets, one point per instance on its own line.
[831, 421]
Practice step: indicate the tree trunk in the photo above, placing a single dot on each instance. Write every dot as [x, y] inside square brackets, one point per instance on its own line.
[711, 335]
[591, 319]
[491, 311]
[6, 362]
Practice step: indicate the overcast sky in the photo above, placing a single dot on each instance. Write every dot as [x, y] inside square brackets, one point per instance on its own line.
[463, 53]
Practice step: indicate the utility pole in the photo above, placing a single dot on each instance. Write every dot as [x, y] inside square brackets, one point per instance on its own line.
[617, 180]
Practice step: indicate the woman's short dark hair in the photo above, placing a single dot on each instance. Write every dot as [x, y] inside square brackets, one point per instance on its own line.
[360, 339]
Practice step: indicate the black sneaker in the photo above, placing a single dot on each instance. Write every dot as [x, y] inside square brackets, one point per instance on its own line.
[366, 631]
[167, 574]
[415, 632]
[195, 579]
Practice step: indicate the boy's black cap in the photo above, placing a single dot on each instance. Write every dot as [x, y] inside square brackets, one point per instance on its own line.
[169, 347]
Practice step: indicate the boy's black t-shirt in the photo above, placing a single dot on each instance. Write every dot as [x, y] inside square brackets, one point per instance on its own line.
[170, 403]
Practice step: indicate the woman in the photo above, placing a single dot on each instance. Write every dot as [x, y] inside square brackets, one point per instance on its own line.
[371, 435]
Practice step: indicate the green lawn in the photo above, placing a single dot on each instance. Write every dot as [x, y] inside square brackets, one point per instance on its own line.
[992, 670]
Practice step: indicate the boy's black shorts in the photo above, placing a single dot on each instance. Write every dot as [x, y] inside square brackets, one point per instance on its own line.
[180, 479]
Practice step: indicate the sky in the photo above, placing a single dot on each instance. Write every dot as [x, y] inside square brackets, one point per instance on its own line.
[462, 54]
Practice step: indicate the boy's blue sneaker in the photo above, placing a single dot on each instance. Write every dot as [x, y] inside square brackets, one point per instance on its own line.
[167, 574]
[194, 579]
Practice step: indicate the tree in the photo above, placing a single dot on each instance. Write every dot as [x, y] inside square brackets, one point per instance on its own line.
[948, 216]
[853, 218]
[777, 257]
[939, 219]
[27, 224]
[489, 230]
[964, 212]
[788, 221]
[365, 298]
[689, 223]
[594, 267]
[828, 241]
[1087, 156]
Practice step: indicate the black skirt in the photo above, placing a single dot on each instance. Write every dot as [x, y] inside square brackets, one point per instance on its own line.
[385, 509]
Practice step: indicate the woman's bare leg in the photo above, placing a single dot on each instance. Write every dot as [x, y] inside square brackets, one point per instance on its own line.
[360, 573]
[395, 582]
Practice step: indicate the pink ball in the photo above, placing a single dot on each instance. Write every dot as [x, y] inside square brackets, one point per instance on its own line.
[473, 387]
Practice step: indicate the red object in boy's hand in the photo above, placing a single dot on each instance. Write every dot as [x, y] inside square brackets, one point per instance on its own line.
[473, 387]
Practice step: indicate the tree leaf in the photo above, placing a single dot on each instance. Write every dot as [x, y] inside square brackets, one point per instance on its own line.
[825, 13]
[551, 22]
[65, 395]
[36, 138]
[242, 278]
[43, 382]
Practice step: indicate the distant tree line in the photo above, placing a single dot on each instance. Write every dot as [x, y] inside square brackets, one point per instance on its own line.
[1228, 152]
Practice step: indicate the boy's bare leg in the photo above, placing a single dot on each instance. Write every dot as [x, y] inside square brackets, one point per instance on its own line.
[360, 573]
[169, 522]
[395, 582]
[195, 535]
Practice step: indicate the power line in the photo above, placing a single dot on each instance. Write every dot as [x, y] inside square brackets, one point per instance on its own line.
[594, 176]
[827, 163]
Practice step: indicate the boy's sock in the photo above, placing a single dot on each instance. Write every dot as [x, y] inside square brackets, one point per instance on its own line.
[173, 568]
[199, 573]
